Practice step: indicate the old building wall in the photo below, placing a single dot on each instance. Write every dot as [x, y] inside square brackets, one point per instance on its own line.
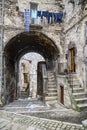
[14, 20]
[74, 29]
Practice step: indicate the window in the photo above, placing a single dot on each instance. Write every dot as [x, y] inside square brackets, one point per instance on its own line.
[33, 12]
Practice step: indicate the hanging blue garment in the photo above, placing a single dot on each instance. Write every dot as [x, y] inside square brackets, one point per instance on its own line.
[44, 13]
[55, 17]
[27, 19]
[38, 13]
[49, 16]
[58, 17]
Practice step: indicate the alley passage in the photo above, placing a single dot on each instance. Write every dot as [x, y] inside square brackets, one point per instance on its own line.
[50, 110]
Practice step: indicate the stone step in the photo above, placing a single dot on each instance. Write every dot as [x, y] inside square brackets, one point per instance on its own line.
[49, 98]
[23, 94]
[81, 100]
[52, 94]
[75, 90]
[51, 80]
[73, 79]
[82, 106]
[52, 90]
[75, 86]
[51, 83]
[74, 83]
[80, 95]
[52, 86]
[50, 72]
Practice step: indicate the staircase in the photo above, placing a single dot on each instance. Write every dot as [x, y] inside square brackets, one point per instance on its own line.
[24, 93]
[51, 94]
[79, 97]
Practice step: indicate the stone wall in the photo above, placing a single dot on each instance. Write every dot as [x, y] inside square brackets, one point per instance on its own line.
[74, 29]
[62, 81]
[14, 21]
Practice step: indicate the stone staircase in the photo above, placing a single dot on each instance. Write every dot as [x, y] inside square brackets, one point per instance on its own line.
[24, 94]
[51, 94]
[79, 97]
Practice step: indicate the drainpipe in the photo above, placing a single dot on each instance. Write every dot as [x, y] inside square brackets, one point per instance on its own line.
[1, 51]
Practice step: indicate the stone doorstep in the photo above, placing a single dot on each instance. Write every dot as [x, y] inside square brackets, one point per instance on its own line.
[81, 99]
[84, 124]
[82, 105]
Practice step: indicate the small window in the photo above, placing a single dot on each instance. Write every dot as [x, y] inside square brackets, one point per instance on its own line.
[33, 12]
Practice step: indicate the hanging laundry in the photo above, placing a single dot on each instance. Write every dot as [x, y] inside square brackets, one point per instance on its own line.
[27, 19]
[44, 13]
[58, 17]
[50, 18]
[38, 13]
[33, 13]
[55, 17]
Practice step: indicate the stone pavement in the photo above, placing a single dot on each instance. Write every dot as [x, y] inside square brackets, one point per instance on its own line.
[32, 105]
[13, 121]
[51, 110]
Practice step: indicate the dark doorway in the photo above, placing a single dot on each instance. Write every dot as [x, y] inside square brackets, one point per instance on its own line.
[62, 94]
[72, 61]
[40, 79]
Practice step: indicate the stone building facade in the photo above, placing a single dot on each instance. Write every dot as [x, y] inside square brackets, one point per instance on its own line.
[62, 43]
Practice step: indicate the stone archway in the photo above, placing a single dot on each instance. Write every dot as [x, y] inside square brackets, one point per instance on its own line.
[20, 45]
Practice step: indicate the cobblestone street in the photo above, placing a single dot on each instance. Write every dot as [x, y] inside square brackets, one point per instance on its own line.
[32, 114]
[12, 121]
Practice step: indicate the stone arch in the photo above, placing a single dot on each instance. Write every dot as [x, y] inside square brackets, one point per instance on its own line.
[21, 44]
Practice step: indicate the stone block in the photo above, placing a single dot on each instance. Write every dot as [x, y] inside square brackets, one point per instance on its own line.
[84, 124]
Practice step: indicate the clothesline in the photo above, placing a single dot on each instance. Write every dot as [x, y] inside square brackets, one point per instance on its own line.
[51, 17]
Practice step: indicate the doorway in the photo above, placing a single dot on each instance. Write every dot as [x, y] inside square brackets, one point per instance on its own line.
[62, 94]
[72, 60]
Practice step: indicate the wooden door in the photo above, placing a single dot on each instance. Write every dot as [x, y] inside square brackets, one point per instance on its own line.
[72, 51]
[62, 94]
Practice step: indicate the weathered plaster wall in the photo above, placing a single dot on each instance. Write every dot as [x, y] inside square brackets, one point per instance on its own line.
[14, 22]
[62, 81]
[74, 28]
